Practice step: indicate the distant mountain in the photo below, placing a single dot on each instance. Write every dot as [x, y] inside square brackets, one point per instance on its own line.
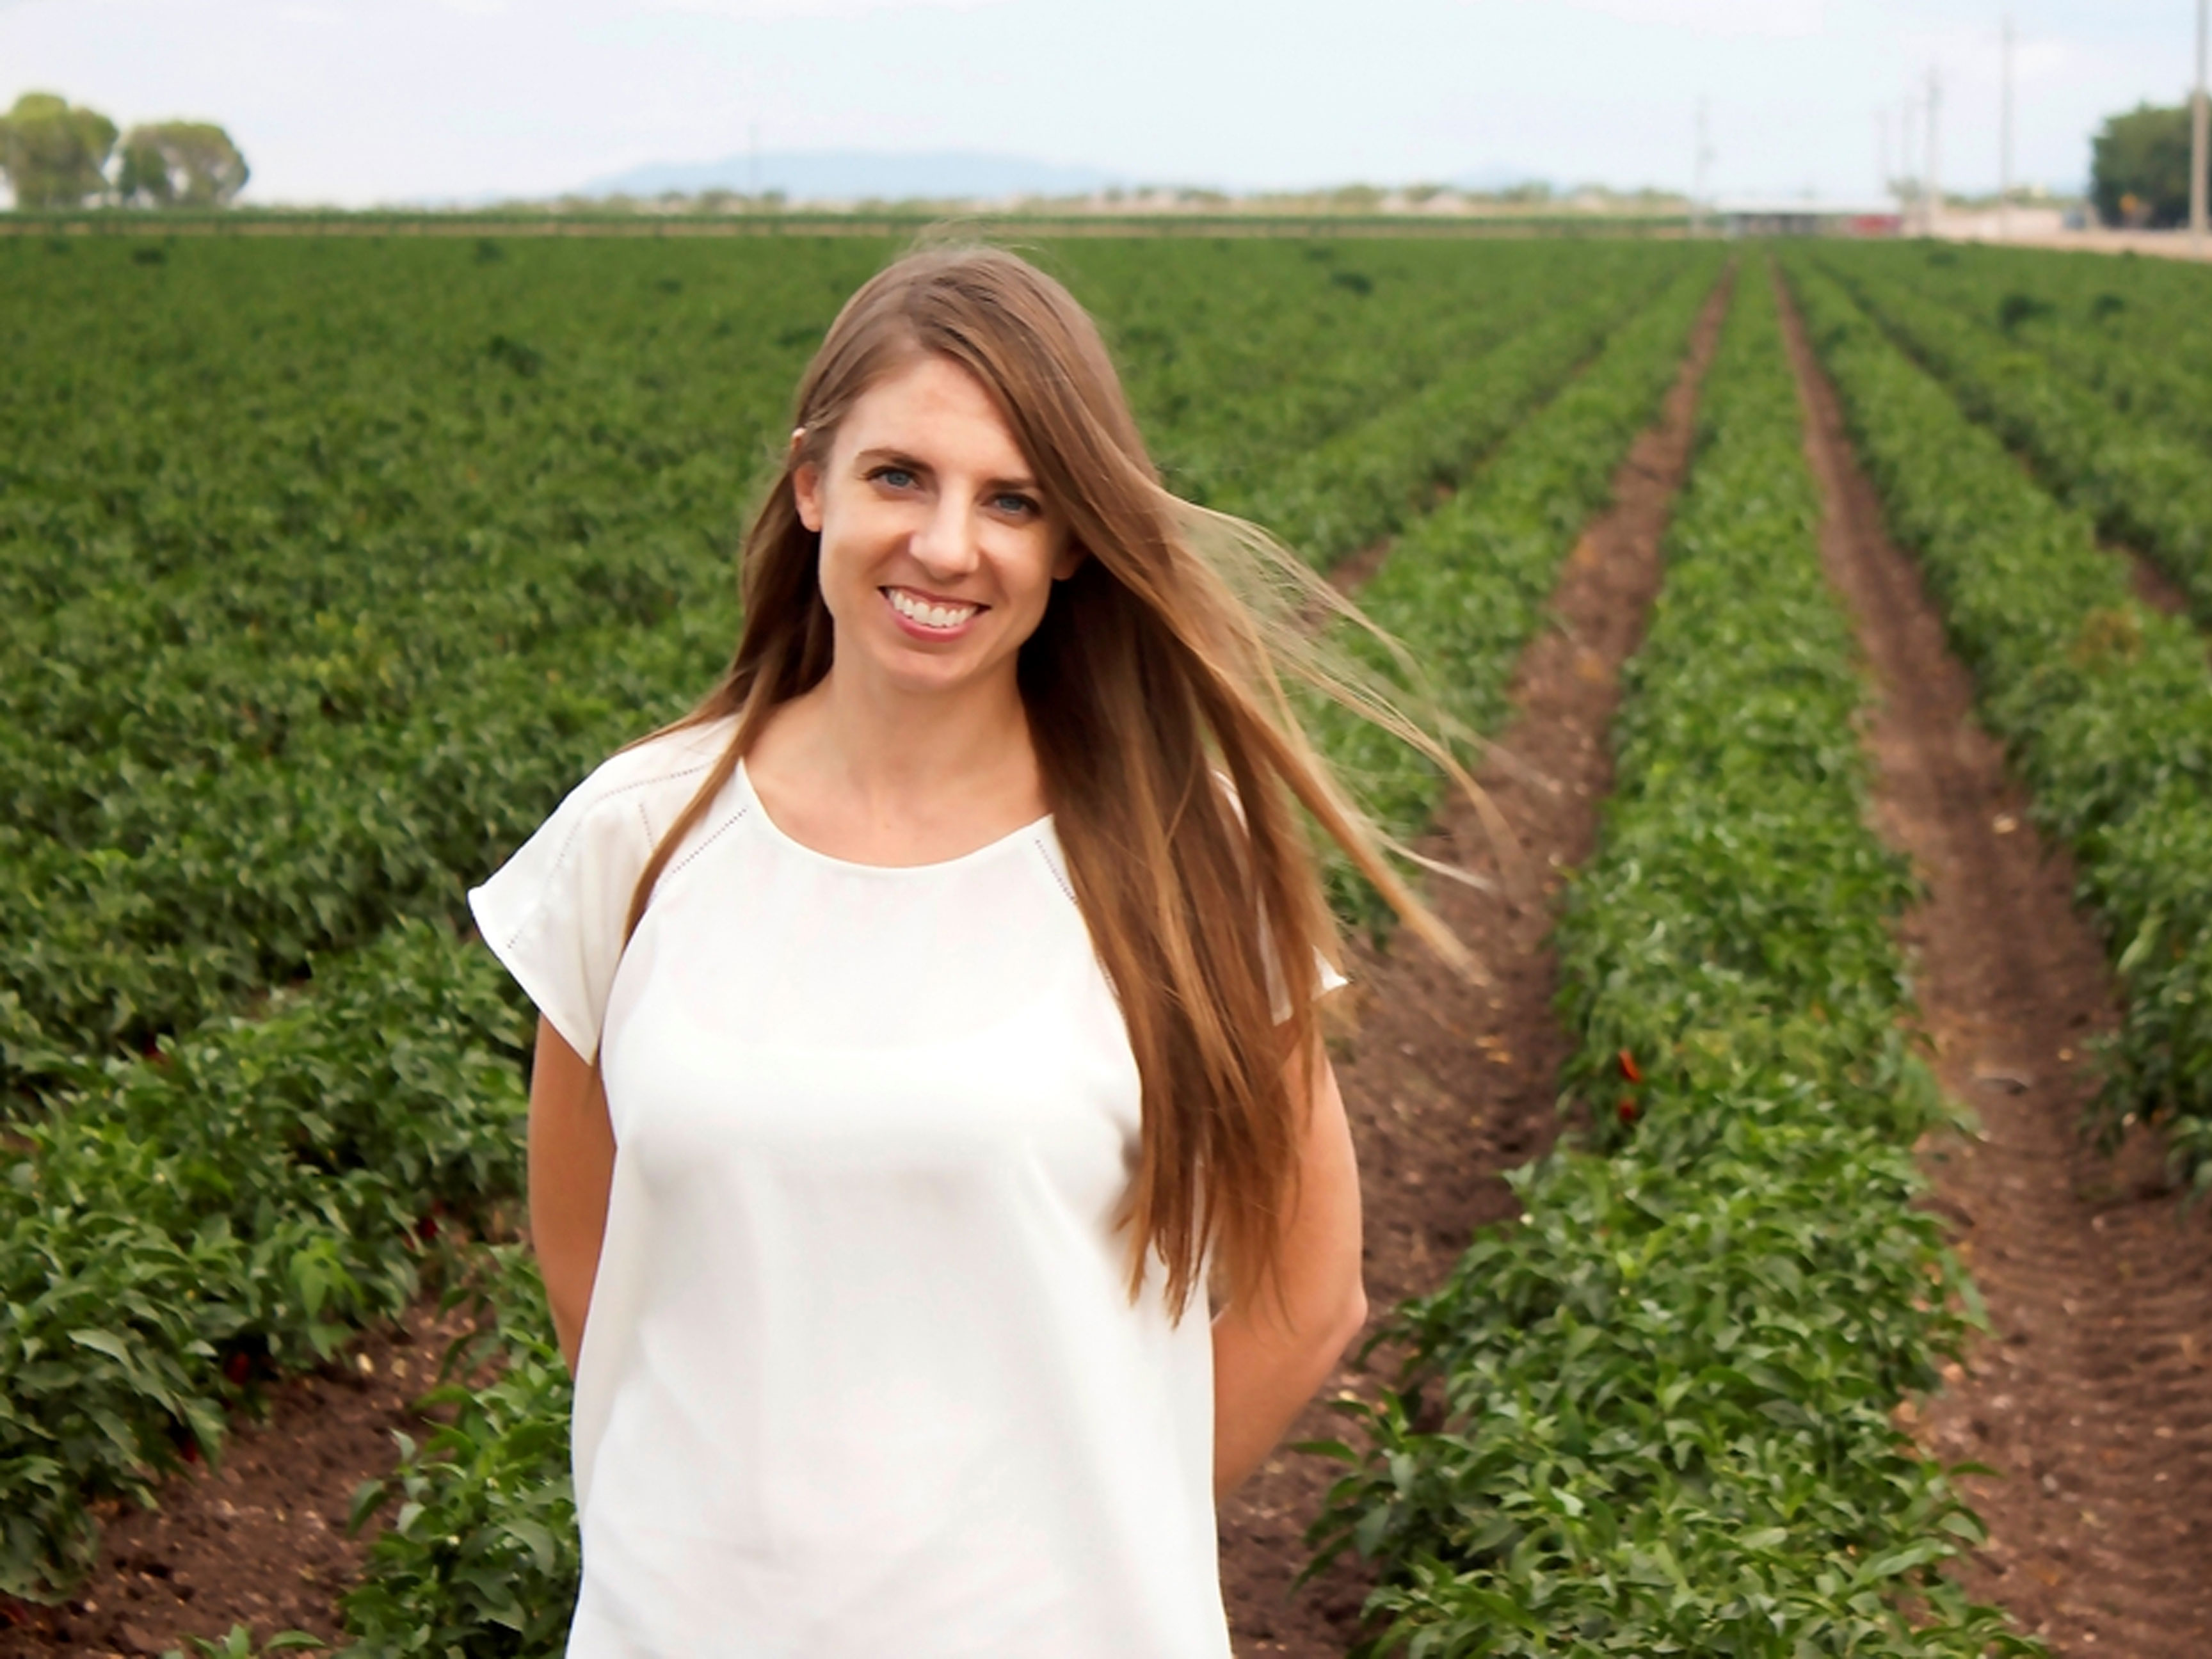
[1488, 181]
[859, 175]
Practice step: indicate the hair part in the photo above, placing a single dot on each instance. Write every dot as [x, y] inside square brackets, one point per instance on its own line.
[1156, 675]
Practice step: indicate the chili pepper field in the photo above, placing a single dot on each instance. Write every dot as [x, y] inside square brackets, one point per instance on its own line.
[1826, 620]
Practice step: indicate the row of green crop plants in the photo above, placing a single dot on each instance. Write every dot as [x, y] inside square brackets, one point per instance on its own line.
[222, 769]
[2115, 427]
[2134, 329]
[1656, 1416]
[176, 1231]
[2104, 704]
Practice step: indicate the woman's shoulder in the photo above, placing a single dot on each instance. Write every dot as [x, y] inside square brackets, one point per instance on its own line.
[557, 912]
[618, 815]
[669, 761]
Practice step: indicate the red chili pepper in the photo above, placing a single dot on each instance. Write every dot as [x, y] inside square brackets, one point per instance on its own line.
[192, 1450]
[426, 1229]
[1628, 1111]
[1629, 1068]
[236, 1368]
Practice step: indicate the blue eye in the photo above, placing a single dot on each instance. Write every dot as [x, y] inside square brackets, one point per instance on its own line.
[896, 477]
[1018, 504]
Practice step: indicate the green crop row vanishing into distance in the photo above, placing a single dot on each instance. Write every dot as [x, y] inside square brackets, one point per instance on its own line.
[2143, 481]
[2104, 704]
[2134, 329]
[1654, 1417]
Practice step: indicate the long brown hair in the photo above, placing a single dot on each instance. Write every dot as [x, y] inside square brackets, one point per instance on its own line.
[1154, 675]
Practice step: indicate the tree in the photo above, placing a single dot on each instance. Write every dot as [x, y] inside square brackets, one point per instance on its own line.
[55, 155]
[179, 164]
[2139, 168]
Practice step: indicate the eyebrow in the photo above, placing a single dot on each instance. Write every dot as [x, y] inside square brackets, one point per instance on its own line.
[900, 457]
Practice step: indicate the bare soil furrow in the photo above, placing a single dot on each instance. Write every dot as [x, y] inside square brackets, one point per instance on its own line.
[260, 1541]
[1450, 1084]
[2088, 1396]
[2151, 586]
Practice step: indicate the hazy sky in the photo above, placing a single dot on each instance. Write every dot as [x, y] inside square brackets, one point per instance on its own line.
[359, 102]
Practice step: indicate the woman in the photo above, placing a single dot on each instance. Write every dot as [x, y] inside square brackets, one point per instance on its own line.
[914, 1051]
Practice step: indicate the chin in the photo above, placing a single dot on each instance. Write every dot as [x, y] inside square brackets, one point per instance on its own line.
[923, 672]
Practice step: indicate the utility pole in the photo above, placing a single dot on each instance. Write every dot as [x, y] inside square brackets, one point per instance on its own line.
[2004, 144]
[1934, 192]
[2197, 123]
[1884, 179]
[1700, 171]
[1908, 179]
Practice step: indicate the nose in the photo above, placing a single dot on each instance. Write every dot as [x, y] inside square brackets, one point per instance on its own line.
[946, 545]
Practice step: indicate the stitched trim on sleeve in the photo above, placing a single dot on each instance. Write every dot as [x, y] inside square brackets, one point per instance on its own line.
[711, 836]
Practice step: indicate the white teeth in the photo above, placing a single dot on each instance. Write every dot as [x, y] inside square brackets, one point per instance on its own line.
[930, 616]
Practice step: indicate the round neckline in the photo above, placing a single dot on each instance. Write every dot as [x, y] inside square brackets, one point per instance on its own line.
[782, 837]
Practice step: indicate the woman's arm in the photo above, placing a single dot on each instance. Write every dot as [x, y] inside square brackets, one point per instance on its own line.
[1264, 1369]
[571, 1165]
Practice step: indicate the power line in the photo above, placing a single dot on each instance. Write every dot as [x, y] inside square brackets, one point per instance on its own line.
[1701, 164]
[1934, 192]
[1908, 179]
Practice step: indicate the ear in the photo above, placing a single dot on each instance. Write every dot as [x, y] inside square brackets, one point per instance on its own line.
[1068, 560]
[806, 492]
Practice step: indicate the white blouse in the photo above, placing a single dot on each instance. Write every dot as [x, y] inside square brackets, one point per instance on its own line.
[861, 1376]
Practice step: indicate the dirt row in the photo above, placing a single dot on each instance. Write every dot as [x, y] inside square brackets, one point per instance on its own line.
[1449, 1084]
[2089, 1396]
[260, 1541]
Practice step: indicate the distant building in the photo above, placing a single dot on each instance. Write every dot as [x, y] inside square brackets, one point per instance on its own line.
[1755, 218]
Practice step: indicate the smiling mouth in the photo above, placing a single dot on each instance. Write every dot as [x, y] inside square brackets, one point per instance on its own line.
[930, 613]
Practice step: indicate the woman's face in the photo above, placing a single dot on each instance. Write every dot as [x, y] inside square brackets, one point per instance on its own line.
[938, 554]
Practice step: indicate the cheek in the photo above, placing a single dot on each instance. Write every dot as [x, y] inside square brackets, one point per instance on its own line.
[854, 535]
[1027, 575]
[842, 574]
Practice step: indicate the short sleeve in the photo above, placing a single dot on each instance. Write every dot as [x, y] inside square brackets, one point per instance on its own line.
[554, 914]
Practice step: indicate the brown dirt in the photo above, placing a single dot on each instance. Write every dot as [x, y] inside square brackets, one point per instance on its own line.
[1349, 576]
[2151, 586]
[262, 1541]
[1449, 1084]
[2089, 1394]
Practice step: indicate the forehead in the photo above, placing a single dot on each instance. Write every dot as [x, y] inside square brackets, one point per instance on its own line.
[933, 409]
